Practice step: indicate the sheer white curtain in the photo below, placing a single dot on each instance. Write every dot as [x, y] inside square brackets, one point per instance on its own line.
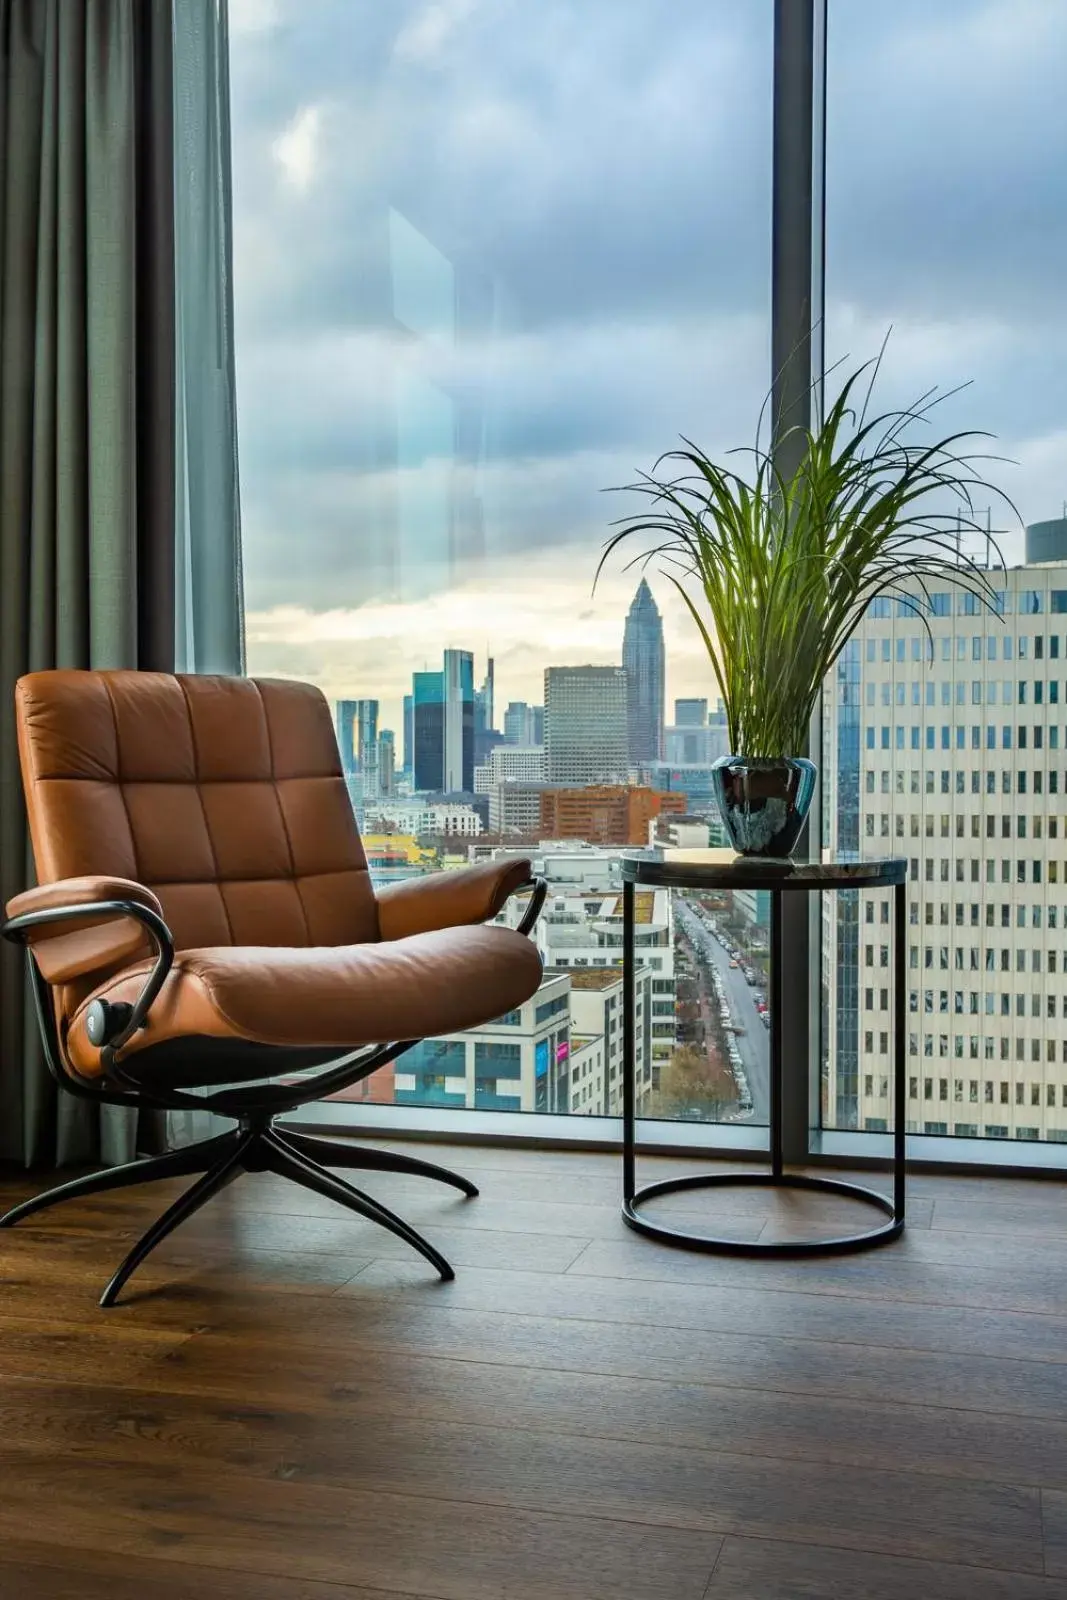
[210, 621]
[209, 618]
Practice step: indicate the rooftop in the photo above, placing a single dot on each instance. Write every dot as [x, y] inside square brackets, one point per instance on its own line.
[644, 905]
[590, 977]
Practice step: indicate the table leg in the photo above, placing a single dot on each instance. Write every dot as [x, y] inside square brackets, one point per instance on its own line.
[900, 936]
[629, 1182]
[775, 1037]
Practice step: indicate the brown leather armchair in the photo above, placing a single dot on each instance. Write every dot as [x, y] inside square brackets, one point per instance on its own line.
[205, 920]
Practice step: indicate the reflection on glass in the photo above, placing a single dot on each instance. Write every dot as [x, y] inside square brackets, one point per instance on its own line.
[489, 262]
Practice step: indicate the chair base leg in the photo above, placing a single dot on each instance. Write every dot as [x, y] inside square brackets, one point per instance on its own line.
[284, 1159]
[255, 1147]
[208, 1185]
[181, 1163]
[332, 1153]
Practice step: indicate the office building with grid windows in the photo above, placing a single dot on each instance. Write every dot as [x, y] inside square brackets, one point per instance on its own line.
[950, 748]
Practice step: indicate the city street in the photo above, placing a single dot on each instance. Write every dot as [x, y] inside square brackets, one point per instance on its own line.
[753, 1044]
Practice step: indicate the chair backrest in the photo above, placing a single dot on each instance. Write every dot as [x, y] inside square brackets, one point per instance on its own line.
[223, 795]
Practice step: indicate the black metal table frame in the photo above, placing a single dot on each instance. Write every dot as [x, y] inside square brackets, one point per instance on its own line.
[775, 878]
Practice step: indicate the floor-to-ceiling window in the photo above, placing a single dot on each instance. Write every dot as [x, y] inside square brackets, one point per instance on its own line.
[946, 220]
[490, 261]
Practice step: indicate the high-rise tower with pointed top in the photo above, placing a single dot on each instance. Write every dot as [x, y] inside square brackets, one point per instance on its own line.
[643, 657]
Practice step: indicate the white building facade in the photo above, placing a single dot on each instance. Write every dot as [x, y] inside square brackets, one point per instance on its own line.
[951, 750]
[510, 763]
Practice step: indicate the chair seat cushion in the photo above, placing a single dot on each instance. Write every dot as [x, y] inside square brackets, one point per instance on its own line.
[343, 996]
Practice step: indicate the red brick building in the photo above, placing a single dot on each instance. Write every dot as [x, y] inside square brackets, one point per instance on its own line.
[605, 814]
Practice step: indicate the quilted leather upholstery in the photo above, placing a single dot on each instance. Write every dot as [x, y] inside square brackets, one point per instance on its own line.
[222, 795]
[224, 799]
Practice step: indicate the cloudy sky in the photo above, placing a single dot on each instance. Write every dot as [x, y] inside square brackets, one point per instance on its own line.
[493, 257]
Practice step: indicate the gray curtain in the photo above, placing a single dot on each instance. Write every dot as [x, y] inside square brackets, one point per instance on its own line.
[87, 424]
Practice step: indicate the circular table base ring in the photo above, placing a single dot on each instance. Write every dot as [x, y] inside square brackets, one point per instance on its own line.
[774, 1247]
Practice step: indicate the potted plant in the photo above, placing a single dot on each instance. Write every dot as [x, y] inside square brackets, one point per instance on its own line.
[777, 572]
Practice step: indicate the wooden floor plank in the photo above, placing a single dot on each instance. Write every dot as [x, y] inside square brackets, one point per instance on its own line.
[730, 1309]
[1054, 1505]
[1038, 1218]
[336, 1232]
[258, 1354]
[751, 1569]
[908, 1270]
[921, 1439]
[78, 1350]
[661, 1486]
[450, 1549]
[36, 1572]
[522, 1193]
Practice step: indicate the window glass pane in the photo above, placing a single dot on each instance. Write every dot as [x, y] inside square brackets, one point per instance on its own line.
[906, 80]
[490, 261]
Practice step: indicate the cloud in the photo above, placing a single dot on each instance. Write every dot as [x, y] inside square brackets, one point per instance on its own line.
[247, 17]
[296, 149]
[423, 37]
[593, 193]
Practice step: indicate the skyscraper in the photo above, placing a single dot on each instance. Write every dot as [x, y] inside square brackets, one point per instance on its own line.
[409, 736]
[483, 701]
[485, 732]
[586, 739]
[458, 678]
[948, 748]
[524, 724]
[428, 730]
[516, 723]
[356, 724]
[386, 763]
[367, 746]
[344, 722]
[690, 713]
[643, 661]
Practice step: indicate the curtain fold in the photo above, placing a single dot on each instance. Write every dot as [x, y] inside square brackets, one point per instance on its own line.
[87, 425]
[210, 625]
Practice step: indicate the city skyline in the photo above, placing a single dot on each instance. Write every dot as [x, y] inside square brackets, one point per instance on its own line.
[392, 710]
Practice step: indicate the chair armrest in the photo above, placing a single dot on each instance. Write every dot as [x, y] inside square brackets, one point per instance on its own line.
[66, 945]
[449, 899]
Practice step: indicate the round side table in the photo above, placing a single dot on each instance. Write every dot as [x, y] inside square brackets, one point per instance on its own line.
[720, 870]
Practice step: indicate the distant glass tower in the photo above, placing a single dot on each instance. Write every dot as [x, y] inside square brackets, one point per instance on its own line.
[428, 731]
[690, 713]
[643, 660]
[345, 726]
[409, 736]
[458, 680]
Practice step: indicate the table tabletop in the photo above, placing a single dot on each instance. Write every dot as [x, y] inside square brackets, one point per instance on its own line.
[723, 869]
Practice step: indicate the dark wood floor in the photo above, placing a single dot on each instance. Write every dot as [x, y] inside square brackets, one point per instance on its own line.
[292, 1408]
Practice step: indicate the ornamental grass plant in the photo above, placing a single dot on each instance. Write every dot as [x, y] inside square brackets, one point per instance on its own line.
[777, 571]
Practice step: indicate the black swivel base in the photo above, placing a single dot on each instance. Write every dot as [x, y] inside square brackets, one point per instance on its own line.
[257, 1146]
[841, 1245]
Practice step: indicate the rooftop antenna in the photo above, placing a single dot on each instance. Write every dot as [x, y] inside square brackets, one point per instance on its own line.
[988, 537]
[959, 538]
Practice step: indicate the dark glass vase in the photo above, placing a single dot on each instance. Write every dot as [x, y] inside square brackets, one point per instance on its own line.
[763, 803]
